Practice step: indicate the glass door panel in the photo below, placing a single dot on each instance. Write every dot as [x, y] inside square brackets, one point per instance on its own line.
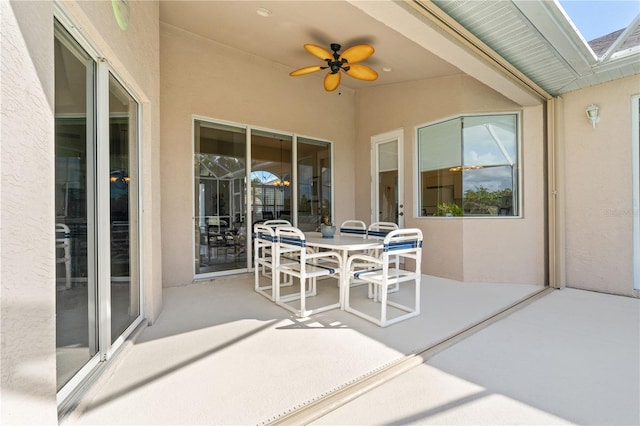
[271, 176]
[76, 282]
[219, 194]
[314, 183]
[124, 189]
[388, 190]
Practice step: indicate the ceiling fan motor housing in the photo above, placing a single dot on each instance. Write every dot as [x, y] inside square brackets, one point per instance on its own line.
[337, 63]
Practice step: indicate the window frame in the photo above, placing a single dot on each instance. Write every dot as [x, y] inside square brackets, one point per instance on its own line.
[518, 197]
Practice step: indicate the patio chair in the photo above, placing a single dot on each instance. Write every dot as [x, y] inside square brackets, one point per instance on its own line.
[401, 243]
[292, 259]
[355, 228]
[378, 231]
[264, 243]
[277, 222]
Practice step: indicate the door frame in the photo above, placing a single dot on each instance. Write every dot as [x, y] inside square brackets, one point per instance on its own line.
[376, 141]
[635, 149]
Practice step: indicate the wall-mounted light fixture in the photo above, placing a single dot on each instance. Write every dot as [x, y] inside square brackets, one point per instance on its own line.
[592, 114]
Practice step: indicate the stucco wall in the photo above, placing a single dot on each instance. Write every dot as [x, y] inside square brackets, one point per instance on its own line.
[27, 217]
[507, 250]
[598, 182]
[208, 79]
[27, 223]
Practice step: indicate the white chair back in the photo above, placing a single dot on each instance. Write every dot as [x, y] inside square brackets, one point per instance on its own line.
[354, 228]
[379, 230]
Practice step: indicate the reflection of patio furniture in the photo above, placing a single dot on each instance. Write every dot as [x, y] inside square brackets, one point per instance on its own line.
[63, 250]
[267, 215]
[217, 222]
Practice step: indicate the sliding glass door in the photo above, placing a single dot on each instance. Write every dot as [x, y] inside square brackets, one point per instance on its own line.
[244, 176]
[219, 198]
[123, 206]
[75, 200]
[97, 191]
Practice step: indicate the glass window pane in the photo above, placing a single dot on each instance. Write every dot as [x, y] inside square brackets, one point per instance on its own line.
[219, 189]
[271, 175]
[76, 283]
[124, 189]
[440, 145]
[314, 183]
[468, 166]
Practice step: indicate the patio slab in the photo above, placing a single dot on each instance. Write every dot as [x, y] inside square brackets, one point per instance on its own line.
[571, 357]
[222, 354]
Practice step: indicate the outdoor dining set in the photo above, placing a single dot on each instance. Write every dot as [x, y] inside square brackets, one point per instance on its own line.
[368, 265]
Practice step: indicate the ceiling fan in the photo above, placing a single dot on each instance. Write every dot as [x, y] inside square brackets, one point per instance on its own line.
[347, 62]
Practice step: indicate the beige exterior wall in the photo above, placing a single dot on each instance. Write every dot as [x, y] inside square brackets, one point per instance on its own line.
[27, 218]
[509, 250]
[208, 79]
[598, 188]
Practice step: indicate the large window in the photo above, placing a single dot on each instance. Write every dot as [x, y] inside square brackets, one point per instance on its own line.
[469, 166]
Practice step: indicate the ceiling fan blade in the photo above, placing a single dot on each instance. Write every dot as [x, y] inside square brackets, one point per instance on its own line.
[318, 52]
[331, 81]
[357, 53]
[307, 70]
[361, 72]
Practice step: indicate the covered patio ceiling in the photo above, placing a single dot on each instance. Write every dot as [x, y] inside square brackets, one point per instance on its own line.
[527, 51]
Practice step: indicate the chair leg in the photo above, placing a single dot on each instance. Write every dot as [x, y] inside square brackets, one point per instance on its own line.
[67, 271]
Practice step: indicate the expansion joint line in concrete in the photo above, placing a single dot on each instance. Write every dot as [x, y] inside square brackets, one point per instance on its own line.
[323, 405]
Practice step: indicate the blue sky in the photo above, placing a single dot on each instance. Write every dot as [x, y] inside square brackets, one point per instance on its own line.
[595, 18]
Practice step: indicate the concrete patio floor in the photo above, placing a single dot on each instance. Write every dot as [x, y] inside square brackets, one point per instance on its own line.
[222, 354]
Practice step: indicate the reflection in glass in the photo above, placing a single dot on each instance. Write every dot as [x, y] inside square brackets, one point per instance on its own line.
[124, 186]
[219, 185]
[468, 166]
[76, 312]
[314, 183]
[388, 181]
[271, 178]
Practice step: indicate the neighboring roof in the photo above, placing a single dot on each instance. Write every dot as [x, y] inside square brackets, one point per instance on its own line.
[600, 45]
[539, 39]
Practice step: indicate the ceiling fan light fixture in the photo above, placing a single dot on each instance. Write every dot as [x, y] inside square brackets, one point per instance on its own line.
[264, 12]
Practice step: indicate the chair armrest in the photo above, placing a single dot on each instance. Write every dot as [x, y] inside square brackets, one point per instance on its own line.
[362, 258]
[324, 255]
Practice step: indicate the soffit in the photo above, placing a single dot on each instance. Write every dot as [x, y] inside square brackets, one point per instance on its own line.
[541, 42]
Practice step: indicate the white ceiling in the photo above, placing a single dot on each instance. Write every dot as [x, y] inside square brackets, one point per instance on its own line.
[281, 36]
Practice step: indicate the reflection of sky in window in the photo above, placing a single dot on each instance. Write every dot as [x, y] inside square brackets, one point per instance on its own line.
[263, 177]
[489, 144]
[489, 141]
[492, 178]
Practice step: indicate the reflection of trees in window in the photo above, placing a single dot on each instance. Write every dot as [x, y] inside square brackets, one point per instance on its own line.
[470, 162]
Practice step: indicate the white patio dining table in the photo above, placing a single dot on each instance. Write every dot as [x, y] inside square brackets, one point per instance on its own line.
[344, 245]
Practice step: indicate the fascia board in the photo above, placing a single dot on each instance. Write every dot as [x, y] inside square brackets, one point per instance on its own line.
[408, 22]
